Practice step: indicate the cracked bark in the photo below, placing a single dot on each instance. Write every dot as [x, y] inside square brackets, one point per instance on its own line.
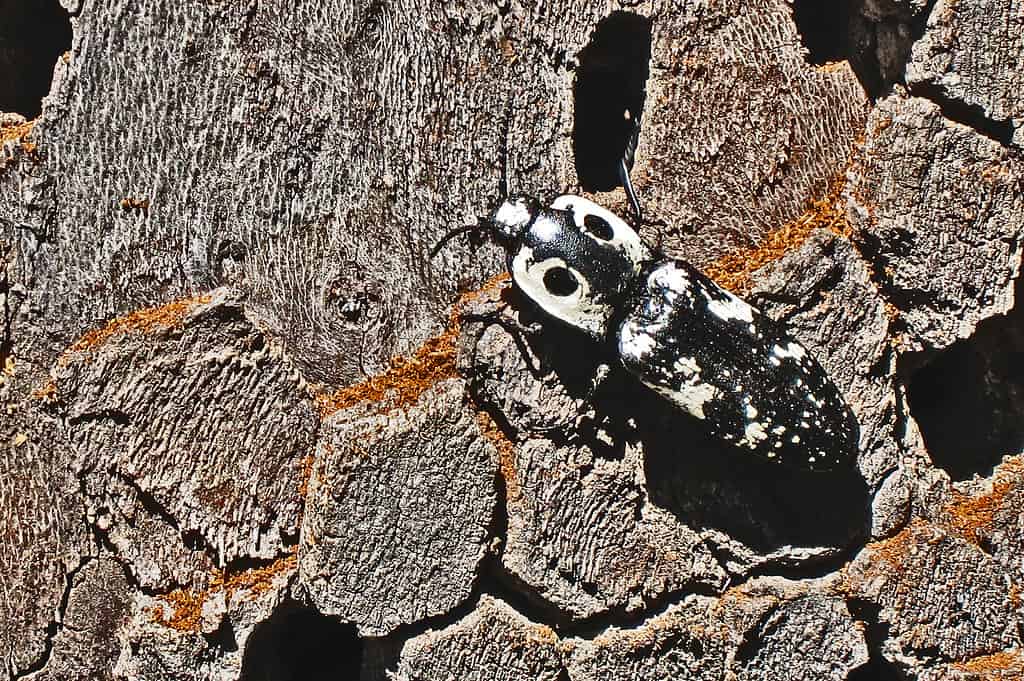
[215, 239]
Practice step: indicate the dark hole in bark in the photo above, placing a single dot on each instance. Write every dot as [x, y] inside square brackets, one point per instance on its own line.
[33, 35]
[876, 632]
[969, 400]
[610, 80]
[298, 643]
[823, 28]
[875, 40]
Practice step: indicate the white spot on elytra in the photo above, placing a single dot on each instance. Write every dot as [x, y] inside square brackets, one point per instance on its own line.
[731, 308]
[791, 350]
[672, 278]
[687, 366]
[795, 439]
[753, 433]
[690, 397]
[635, 343]
[779, 430]
[751, 412]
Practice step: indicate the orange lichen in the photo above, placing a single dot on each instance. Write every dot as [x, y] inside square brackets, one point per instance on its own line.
[306, 473]
[144, 321]
[407, 377]
[257, 580]
[833, 66]
[134, 204]
[404, 381]
[186, 613]
[970, 517]
[882, 122]
[47, 394]
[18, 132]
[1007, 664]
[506, 453]
[187, 605]
[733, 270]
[895, 549]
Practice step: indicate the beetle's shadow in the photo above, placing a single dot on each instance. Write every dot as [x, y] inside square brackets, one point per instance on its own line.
[706, 483]
[710, 484]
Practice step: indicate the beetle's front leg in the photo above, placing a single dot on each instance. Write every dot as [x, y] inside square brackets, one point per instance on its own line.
[516, 330]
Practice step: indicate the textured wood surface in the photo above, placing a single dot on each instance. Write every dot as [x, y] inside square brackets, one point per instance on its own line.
[250, 431]
[970, 54]
[399, 512]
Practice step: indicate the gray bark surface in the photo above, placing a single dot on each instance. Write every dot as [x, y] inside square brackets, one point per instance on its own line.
[970, 53]
[250, 430]
[417, 550]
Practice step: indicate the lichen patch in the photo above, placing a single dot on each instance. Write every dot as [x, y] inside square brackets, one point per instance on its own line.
[1007, 664]
[18, 132]
[186, 605]
[733, 271]
[404, 381]
[146, 320]
[971, 517]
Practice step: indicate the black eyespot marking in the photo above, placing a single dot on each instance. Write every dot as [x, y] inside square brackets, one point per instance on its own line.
[599, 227]
[560, 282]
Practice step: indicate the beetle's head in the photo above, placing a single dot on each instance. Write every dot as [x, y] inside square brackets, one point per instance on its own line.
[575, 259]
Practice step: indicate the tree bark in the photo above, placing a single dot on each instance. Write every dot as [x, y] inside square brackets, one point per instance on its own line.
[253, 431]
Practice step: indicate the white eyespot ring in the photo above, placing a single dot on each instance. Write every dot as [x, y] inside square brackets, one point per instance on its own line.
[619, 234]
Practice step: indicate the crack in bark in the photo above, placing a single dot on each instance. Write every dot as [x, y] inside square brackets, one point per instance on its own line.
[7, 325]
[972, 116]
[56, 624]
[119, 417]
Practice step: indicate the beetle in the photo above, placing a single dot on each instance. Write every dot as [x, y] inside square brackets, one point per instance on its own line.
[708, 352]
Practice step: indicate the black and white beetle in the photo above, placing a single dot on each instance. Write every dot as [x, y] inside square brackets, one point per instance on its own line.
[705, 350]
[708, 352]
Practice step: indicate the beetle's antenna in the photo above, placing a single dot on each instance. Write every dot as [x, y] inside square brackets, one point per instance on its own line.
[503, 180]
[476, 233]
[630, 193]
[626, 162]
[479, 231]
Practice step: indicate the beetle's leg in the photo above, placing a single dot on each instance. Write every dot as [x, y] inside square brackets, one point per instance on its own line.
[585, 403]
[515, 329]
[596, 381]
